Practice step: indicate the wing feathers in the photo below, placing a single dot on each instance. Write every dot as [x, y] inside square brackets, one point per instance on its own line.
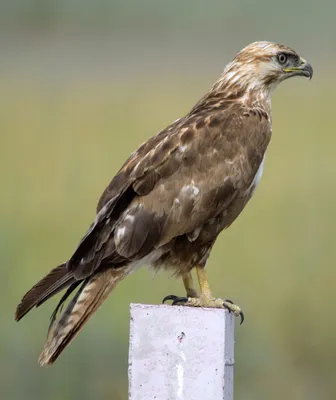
[137, 233]
[91, 250]
[57, 279]
[180, 177]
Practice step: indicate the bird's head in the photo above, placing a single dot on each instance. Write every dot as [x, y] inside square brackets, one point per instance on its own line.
[261, 66]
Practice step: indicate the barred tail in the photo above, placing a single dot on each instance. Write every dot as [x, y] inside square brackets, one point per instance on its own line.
[90, 296]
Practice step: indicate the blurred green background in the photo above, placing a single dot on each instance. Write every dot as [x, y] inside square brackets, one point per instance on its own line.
[82, 84]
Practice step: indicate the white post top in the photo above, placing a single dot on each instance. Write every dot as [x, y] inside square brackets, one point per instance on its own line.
[180, 353]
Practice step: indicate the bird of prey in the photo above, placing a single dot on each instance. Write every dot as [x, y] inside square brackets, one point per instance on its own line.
[173, 196]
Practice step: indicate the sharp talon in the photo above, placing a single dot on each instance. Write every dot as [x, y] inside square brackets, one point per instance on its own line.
[179, 300]
[235, 309]
[227, 307]
[169, 297]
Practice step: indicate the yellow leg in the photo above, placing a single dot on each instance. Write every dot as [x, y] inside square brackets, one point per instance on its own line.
[204, 283]
[189, 285]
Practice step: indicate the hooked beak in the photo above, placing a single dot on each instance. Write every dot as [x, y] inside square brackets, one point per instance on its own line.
[304, 69]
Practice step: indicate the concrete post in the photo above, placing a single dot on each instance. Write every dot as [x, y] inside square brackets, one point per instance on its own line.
[180, 353]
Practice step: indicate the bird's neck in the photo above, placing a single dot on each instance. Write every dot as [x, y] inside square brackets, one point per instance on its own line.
[242, 85]
[257, 98]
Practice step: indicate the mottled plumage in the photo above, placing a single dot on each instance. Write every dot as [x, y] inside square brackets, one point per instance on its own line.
[175, 194]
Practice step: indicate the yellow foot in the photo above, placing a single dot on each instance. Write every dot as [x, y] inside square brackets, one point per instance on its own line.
[206, 302]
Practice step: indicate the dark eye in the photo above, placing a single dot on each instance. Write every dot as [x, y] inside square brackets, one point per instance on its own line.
[282, 58]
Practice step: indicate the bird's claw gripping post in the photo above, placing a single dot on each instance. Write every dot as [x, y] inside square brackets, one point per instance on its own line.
[206, 303]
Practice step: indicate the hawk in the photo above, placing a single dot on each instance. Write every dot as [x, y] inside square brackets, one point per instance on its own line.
[173, 196]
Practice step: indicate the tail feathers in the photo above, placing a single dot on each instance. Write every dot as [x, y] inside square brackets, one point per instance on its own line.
[87, 300]
[58, 278]
[60, 304]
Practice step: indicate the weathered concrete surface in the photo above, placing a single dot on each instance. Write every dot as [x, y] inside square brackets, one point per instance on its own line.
[180, 353]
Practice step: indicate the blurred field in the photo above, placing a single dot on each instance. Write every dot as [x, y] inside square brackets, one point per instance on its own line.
[60, 146]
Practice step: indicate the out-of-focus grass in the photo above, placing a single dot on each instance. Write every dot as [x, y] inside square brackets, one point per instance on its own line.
[61, 146]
